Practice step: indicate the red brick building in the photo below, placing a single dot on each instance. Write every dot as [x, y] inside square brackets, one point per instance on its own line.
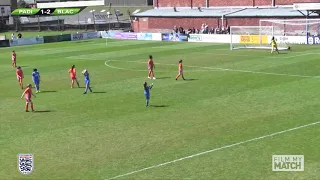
[193, 13]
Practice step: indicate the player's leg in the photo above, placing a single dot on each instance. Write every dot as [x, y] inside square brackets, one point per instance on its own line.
[182, 75]
[277, 49]
[13, 63]
[147, 99]
[89, 86]
[152, 73]
[21, 83]
[149, 73]
[77, 81]
[27, 105]
[36, 85]
[272, 49]
[177, 76]
[31, 104]
[72, 83]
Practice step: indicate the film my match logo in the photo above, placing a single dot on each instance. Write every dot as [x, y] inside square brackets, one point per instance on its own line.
[288, 163]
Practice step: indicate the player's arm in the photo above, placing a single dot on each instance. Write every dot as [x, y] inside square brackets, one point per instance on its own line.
[17, 74]
[151, 86]
[24, 92]
[33, 94]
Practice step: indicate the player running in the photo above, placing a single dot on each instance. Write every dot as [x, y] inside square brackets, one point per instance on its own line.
[274, 46]
[73, 76]
[151, 66]
[20, 76]
[147, 92]
[14, 59]
[36, 79]
[180, 70]
[28, 95]
[86, 81]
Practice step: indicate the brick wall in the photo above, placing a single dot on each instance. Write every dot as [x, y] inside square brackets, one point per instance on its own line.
[169, 23]
[212, 3]
[290, 2]
[158, 24]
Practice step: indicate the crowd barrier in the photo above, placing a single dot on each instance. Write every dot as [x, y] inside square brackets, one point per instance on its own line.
[26, 41]
[313, 39]
[201, 38]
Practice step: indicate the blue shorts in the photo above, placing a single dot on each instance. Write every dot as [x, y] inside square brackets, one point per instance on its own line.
[87, 82]
[36, 82]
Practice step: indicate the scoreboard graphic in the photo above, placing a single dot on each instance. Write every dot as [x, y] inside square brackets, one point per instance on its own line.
[45, 11]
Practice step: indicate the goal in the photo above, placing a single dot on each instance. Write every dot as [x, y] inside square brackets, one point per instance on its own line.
[254, 37]
[259, 37]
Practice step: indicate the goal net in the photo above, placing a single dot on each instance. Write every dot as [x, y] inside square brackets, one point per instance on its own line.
[253, 37]
[259, 37]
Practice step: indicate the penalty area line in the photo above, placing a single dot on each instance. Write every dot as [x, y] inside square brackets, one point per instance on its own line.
[213, 150]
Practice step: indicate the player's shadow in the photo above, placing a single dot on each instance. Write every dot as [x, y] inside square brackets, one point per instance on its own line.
[159, 106]
[48, 91]
[42, 111]
[191, 79]
[163, 77]
[99, 92]
[23, 66]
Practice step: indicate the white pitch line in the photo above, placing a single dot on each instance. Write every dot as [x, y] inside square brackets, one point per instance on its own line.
[224, 69]
[213, 150]
[119, 68]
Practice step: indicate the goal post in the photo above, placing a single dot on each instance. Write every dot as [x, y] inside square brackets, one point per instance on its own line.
[253, 37]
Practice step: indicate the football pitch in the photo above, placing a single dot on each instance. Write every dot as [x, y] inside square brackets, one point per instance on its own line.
[225, 121]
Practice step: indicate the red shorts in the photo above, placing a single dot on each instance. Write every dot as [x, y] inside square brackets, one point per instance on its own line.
[73, 78]
[180, 72]
[19, 79]
[28, 100]
[150, 69]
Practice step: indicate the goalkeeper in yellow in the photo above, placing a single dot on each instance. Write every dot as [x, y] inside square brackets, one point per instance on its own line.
[274, 46]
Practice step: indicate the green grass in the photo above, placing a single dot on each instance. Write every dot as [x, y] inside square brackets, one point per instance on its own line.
[111, 132]
[26, 34]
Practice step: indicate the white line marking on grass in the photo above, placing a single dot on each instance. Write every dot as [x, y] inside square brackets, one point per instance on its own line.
[217, 69]
[213, 150]
[119, 68]
[288, 57]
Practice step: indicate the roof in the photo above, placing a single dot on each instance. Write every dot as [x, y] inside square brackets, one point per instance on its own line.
[188, 12]
[225, 11]
[269, 12]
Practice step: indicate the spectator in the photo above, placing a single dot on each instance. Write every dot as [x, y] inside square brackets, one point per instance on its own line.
[19, 35]
[12, 36]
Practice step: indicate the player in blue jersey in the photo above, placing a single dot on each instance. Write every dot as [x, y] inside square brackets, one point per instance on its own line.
[36, 79]
[86, 81]
[147, 92]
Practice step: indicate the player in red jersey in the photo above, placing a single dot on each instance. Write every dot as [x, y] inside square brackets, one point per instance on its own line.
[73, 76]
[14, 59]
[28, 95]
[180, 72]
[20, 76]
[151, 66]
